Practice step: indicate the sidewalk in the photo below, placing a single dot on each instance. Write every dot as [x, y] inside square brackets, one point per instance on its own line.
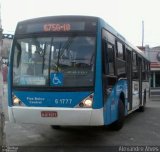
[155, 98]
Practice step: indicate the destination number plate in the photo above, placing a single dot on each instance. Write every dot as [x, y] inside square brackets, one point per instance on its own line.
[49, 114]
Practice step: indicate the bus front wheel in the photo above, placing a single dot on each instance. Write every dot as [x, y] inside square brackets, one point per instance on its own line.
[117, 125]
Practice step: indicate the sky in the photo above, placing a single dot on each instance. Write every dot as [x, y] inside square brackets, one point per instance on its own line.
[125, 16]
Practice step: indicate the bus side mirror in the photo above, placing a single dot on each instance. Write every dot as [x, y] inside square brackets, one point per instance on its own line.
[7, 64]
[4, 61]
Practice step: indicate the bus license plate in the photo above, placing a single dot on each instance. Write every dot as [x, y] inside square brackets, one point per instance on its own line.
[49, 114]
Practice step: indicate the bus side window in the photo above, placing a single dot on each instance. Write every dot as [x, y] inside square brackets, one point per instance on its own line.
[145, 71]
[108, 67]
[134, 66]
[120, 50]
[110, 60]
[120, 60]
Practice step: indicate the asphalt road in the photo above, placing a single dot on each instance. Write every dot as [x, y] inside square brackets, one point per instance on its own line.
[140, 129]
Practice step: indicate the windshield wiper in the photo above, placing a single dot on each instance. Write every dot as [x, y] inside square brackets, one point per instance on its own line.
[66, 46]
[58, 57]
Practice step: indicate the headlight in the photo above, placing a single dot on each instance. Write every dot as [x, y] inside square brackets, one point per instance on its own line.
[16, 101]
[87, 102]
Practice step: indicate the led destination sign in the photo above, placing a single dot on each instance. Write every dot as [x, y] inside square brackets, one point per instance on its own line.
[56, 27]
[24, 28]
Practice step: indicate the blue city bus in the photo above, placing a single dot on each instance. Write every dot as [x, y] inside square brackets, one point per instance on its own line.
[74, 71]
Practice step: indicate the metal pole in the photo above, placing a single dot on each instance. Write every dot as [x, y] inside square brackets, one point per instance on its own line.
[142, 33]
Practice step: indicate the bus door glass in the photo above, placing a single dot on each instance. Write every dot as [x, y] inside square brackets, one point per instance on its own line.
[129, 77]
[135, 81]
[140, 78]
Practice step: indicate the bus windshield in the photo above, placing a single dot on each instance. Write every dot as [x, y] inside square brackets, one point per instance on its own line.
[59, 61]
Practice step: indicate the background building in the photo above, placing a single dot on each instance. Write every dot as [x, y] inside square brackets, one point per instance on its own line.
[1, 30]
[153, 55]
[6, 45]
[5, 50]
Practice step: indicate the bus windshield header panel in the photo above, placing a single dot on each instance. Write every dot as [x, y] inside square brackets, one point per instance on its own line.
[39, 26]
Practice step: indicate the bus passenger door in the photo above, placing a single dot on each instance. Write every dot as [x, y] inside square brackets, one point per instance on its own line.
[109, 80]
[129, 77]
[140, 79]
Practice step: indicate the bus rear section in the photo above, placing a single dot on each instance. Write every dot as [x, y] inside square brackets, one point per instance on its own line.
[52, 72]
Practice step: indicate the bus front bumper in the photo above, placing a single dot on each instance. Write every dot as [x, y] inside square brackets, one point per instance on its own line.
[64, 116]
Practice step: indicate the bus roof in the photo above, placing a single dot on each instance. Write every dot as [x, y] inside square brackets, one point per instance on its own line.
[61, 17]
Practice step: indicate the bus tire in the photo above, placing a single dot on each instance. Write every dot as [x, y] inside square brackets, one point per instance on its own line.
[142, 108]
[55, 127]
[117, 125]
